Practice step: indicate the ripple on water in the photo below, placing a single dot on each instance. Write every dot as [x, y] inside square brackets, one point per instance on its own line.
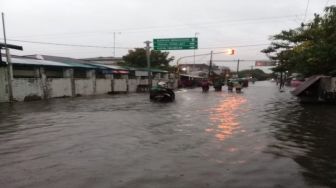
[260, 138]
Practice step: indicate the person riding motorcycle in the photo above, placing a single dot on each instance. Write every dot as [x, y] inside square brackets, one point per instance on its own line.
[205, 85]
[161, 93]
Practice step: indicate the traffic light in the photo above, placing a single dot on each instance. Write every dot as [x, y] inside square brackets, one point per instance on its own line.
[230, 51]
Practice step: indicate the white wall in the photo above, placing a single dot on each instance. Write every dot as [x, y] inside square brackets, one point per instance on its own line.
[333, 84]
[143, 81]
[120, 85]
[3, 84]
[23, 87]
[132, 85]
[103, 86]
[59, 87]
[155, 82]
[84, 86]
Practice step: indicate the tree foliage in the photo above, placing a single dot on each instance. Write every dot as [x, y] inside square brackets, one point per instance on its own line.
[137, 58]
[309, 49]
[255, 73]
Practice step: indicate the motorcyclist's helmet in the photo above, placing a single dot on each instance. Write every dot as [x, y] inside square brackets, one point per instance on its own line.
[162, 84]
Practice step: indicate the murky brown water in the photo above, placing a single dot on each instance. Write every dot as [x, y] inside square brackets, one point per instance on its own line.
[261, 138]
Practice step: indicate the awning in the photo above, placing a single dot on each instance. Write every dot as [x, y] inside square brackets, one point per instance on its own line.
[110, 71]
[305, 85]
[123, 72]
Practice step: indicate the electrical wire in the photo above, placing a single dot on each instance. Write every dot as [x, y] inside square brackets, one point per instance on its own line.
[110, 47]
[305, 15]
[240, 60]
[235, 46]
[145, 29]
[63, 44]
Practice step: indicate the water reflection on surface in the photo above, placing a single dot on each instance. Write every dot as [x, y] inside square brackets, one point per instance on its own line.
[307, 134]
[224, 116]
[260, 138]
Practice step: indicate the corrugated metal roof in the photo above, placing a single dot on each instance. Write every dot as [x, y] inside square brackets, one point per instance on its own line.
[69, 61]
[110, 66]
[97, 66]
[145, 69]
[102, 59]
[37, 62]
[305, 85]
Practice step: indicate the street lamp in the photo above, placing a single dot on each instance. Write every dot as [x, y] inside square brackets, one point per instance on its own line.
[114, 39]
[193, 69]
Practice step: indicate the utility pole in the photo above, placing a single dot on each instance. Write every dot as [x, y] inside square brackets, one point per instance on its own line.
[148, 63]
[237, 67]
[193, 69]
[281, 80]
[9, 64]
[114, 40]
[113, 44]
[210, 65]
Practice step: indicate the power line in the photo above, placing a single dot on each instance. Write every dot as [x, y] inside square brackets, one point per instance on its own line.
[305, 15]
[252, 20]
[245, 21]
[235, 46]
[96, 46]
[63, 44]
[234, 60]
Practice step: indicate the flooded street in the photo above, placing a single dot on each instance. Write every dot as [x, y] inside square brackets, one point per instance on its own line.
[260, 138]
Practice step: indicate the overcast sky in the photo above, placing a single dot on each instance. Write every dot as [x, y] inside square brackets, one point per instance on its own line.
[220, 24]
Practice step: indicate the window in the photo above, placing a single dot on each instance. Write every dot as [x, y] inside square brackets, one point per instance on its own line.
[54, 72]
[25, 72]
[80, 73]
[99, 74]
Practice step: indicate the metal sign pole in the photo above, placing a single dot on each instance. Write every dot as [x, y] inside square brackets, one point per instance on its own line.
[210, 66]
[237, 68]
[148, 64]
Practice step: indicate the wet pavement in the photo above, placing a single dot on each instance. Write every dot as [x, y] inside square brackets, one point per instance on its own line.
[260, 138]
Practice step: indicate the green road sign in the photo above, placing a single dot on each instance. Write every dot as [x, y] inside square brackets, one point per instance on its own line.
[175, 44]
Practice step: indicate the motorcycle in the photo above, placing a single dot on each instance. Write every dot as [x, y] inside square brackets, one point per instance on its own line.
[161, 93]
[205, 86]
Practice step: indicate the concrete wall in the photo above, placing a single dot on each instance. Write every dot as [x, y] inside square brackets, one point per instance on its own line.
[84, 87]
[103, 86]
[333, 84]
[120, 85]
[44, 87]
[132, 85]
[59, 87]
[23, 87]
[3, 85]
[328, 84]
[143, 81]
[155, 82]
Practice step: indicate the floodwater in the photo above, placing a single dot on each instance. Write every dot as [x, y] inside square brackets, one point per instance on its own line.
[260, 138]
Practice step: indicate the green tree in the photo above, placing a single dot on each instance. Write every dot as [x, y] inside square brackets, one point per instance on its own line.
[309, 49]
[137, 58]
[255, 73]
